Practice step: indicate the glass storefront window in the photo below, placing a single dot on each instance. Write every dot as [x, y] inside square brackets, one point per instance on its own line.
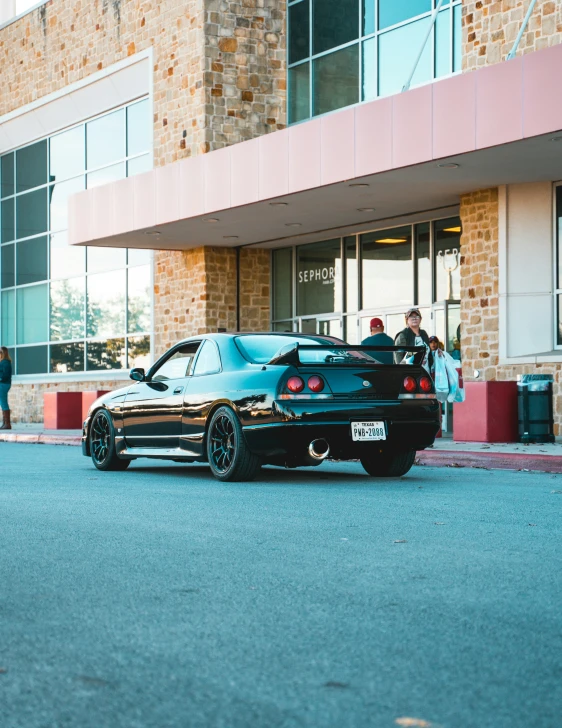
[443, 49]
[7, 266]
[138, 352]
[100, 259]
[447, 259]
[106, 175]
[8, 319]
[7, 177]
[102, 355]
[67, 357]
[351, 333]
[138, 296]
[299, 92]
[36, 182]
[59, 194]
[282, 283]
[392, 12]
[32, 314]
[67, 154]
[351, 274]
[397, 266]
[105, 139]
[66, 260]
[319, 277]
[138, 165]
[31, 166]
[32, 360]
[398, 50]
[386, 258]
[67, 309]
[105, 304]
[423, 263]
[336, 80]
[32, 261]
[385, 35]
[334, 23]
[32, 213]
[7, 221]
[299, 23]
[139, 128]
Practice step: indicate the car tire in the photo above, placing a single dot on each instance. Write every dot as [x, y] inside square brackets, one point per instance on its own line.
[388, 465]
[227, 451]
[102, 443]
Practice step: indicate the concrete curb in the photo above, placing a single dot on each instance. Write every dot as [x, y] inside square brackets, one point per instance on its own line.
[490, 460]
[431, 458]
[40, 439]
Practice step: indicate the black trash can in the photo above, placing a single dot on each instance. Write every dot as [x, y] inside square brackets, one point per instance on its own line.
[534, 400]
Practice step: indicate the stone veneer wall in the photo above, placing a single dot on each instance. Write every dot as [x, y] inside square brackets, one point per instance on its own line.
[480, 302]
[491, 26]
[219, 78]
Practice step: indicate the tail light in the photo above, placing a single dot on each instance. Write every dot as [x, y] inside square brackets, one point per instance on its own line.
[295, 384]
[425, 384]
[410, 384]
[316, 384]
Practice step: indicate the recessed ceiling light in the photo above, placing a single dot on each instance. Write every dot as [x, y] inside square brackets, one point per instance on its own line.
[456, 229]
[556, 139]
[449, 165]
[359, 184]
[211, 219]
[293, 224]
[279, 204]
[365, 209]
[230, 237]
[391, 240]
[156, 233]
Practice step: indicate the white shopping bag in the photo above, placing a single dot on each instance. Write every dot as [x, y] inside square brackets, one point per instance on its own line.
[440, 377]
[453, 377]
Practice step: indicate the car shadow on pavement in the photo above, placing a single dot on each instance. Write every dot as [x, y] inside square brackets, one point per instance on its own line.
[335, 473]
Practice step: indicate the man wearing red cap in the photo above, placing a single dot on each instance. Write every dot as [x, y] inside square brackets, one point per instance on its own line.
[379, 338]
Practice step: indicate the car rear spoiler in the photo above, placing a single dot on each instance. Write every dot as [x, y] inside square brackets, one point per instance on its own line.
[289, 354]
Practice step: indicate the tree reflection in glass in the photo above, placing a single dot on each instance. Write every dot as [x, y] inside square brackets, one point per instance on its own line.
[105, 354]
[139, 352]
[67, 309]
[67, 357]
[139, 299]
[106, 304]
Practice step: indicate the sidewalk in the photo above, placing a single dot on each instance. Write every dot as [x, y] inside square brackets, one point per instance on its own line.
[445, 452]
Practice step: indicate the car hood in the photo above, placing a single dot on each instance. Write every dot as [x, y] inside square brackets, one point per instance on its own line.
[109, 399]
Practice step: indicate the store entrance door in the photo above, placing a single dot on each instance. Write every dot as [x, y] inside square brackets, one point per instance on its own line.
[323, 325]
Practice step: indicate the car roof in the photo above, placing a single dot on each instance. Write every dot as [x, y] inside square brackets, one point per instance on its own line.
[232, 335]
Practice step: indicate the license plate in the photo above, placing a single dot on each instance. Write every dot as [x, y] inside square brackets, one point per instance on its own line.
[368, 431]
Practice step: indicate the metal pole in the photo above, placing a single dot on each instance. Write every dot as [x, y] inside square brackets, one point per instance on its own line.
[433, 19]
[513, 51]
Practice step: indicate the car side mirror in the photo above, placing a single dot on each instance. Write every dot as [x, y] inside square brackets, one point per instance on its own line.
[137, 374]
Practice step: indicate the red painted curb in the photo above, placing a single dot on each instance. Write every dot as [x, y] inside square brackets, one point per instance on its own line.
[490, 460]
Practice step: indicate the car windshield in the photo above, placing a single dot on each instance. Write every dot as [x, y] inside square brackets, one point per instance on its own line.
[261, 349]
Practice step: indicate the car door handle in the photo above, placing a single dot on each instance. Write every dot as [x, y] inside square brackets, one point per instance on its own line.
[178, 390]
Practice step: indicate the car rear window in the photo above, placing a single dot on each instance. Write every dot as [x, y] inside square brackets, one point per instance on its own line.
[261, 349]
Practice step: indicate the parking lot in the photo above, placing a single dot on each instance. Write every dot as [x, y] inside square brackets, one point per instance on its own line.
[313, 597]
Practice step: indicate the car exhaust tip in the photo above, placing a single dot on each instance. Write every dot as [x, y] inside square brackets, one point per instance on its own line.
[319, 449]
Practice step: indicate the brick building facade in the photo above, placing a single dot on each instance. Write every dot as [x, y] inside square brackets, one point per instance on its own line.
[219, 78]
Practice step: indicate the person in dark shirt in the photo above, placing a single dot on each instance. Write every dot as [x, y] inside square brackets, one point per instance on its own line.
[5, 384]
[379, 338]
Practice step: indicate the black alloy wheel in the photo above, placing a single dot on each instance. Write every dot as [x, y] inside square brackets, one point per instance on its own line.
[228, 454]
[102, 443]
[388, 465]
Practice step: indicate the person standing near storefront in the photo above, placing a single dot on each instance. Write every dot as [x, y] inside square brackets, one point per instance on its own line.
[379, 338]
[413, 335]
[5, 384]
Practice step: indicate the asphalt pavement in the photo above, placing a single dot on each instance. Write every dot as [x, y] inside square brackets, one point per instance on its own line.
[159, 597]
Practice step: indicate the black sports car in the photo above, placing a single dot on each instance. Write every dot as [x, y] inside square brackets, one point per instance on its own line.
[238, 401]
